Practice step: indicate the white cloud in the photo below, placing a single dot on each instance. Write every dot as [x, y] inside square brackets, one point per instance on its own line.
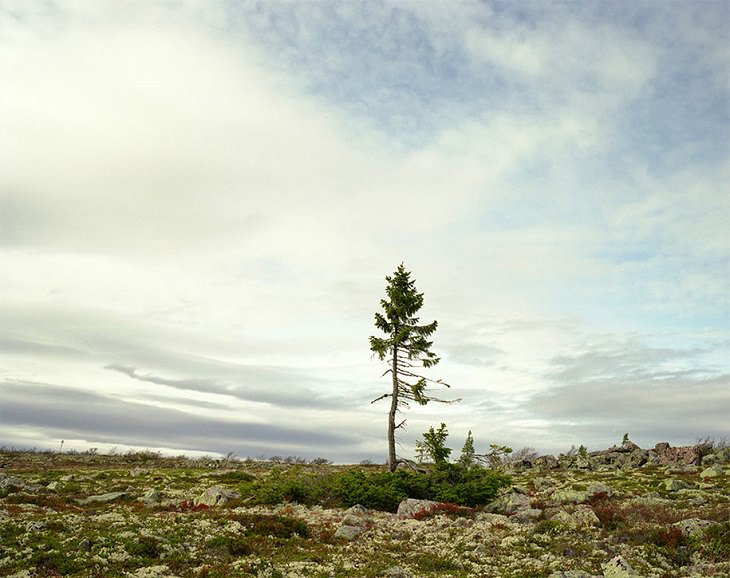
[210, 196]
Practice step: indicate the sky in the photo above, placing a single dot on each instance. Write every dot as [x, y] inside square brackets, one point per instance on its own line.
[200, 202]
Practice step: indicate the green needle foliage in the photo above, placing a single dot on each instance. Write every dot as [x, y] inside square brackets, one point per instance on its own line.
[406, 348]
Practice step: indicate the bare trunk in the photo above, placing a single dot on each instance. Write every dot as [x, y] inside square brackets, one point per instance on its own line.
[392, 458]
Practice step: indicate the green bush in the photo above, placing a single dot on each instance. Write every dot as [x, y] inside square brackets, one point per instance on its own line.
[285, 485]
[716, 546]
[453, 483]
[379, 491]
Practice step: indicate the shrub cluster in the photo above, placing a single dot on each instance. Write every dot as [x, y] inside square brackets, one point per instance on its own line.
[446, 482]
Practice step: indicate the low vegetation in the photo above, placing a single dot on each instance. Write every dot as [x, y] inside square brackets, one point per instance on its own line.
[141, 516]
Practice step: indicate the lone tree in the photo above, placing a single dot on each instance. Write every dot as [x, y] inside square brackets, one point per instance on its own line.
[405, 348]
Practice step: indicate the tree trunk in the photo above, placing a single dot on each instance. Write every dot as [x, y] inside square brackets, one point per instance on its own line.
[392, 458]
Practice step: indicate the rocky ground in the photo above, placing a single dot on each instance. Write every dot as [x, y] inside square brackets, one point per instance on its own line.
[617, 513]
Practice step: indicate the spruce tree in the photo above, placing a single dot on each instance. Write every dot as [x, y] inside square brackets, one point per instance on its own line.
[405, 348]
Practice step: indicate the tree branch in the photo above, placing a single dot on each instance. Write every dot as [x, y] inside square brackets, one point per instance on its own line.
[381, 397]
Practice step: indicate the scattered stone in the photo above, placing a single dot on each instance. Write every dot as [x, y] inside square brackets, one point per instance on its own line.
[573, 574]
[54, 486]
[581, 517]
[7, 481]
[347, 532]
[674, 485]
[712, 471]
[690, 455]
[216, 496]
[68, 478]
[617, 567]
[527, 515]
[151, 498]
[160, 571]
[410, 507]
[547, 462]
[598, 488]
[110, 497]
[694, 527]
[492, 518]
[568, 495]
[543, 483]
[508, 504]
[358, 510]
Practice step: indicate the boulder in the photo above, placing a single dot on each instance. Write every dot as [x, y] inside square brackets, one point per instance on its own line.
[527, 515]
[568, 495]
[617, 567]
[581, 517]
[674, 485]
[216, 496]
[347, 532]
[694, 527]
[411, 507]
[508, 504]
[151, 498]
[357, 510]
[598, 488]
[7, 481]
[689, 455]
[492, 518]
[110, 497]
[712, 471]
[547, 462]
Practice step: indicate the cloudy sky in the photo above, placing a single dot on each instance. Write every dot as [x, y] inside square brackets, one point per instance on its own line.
[200, 201]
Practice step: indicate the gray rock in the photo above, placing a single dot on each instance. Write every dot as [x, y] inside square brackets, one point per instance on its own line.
[151, 498]
[492, 518]
[581, 517]
[54, 486]
[568, 495]
[547, 462]
[410, 507]
[357, 509]
[527, 515]
[598, 488]
[345, 532]
[508, 504]
[543, 483]
[674, 485]
[7, 481]
[712, 471]
[573, 574]
[690, 455]
[694, 527]
[110, 497]
[617, 567]
[216, 496]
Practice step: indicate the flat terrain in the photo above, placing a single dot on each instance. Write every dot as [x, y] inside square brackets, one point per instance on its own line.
[145, 516]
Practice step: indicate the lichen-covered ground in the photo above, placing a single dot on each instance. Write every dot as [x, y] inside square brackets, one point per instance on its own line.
[145, 522]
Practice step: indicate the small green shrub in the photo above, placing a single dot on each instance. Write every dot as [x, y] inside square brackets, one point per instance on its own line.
[232, 545]
[466, 486]
[144, 547]
[235, 477]
[716, 546]
[435, 564]
[272, 525]
[548, 527]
